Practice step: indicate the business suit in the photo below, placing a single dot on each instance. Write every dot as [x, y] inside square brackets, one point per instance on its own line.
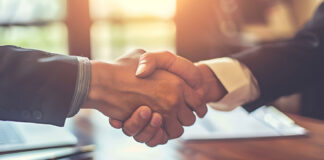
[36, 86]
[288, 66]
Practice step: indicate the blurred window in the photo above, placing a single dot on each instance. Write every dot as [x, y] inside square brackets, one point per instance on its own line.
[118, 25]
[34, 24]
[123, 25]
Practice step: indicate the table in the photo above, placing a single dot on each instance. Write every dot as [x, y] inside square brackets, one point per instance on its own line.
[92, 127]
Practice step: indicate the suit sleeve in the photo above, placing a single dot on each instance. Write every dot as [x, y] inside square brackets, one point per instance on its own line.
[36, 86]
[285, 67]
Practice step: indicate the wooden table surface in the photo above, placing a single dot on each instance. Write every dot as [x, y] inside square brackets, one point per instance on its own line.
[93, 128]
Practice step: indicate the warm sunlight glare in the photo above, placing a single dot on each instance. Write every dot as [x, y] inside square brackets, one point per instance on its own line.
[133, 8]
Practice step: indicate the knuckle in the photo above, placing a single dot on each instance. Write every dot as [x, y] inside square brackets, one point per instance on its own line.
[173, 101]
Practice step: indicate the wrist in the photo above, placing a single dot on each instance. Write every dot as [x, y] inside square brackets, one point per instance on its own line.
[212, 87]
[100, 72]
[113, 90]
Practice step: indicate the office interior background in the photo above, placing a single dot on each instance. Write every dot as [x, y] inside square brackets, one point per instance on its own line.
[197, 30]
[194, 29]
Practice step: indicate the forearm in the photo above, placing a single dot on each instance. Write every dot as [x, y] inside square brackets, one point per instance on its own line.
[282, 68]
[36, 86]
[285, 67]
[276, 69]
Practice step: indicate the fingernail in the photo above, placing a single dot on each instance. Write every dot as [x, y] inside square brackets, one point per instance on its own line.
[145, 114]
[140, 69]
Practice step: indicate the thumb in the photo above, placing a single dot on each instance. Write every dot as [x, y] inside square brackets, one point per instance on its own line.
[145, 68]
[149, 62]
[182, 67]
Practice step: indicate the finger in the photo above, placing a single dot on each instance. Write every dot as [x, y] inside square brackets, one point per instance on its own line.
[172, 127]
[186, 116]
[157, 139]
[194, 101]
[139, 119]
[165, 137]
[180, 66]
[150, 130]
[115, 123]
[201, 111]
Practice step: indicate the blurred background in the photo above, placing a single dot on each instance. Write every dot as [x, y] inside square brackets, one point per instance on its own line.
[195, 29]
[101, 29]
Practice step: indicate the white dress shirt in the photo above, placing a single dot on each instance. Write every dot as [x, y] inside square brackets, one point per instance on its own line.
[237, 79]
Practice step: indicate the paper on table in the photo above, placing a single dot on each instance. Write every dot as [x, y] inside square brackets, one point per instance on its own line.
[50, 153]
[264, 122]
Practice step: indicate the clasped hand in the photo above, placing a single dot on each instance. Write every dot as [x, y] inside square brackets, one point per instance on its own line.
[154, 104]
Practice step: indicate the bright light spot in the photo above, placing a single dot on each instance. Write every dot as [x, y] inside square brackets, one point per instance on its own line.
[133, 8]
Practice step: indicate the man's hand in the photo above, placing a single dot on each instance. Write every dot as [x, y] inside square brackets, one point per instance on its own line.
[144, 126]
[198, 76]
[117, 92]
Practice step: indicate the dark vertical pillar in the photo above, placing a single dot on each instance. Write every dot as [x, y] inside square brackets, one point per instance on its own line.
[78, 23]
[199, 33]
[195, 29]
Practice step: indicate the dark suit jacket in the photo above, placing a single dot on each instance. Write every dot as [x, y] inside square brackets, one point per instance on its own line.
[36, 86]
[288, 66]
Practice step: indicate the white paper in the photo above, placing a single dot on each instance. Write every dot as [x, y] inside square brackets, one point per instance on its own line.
[264, 122]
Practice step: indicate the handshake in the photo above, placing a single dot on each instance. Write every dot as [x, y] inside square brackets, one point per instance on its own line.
[151, 96]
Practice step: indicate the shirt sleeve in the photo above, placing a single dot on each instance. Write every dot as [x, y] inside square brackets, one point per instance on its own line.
[238, 80]
[82, 85]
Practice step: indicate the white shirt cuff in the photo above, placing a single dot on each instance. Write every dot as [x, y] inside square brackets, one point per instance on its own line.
[238, 80]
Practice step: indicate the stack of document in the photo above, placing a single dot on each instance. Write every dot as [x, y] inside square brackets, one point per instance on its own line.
[237, 124]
